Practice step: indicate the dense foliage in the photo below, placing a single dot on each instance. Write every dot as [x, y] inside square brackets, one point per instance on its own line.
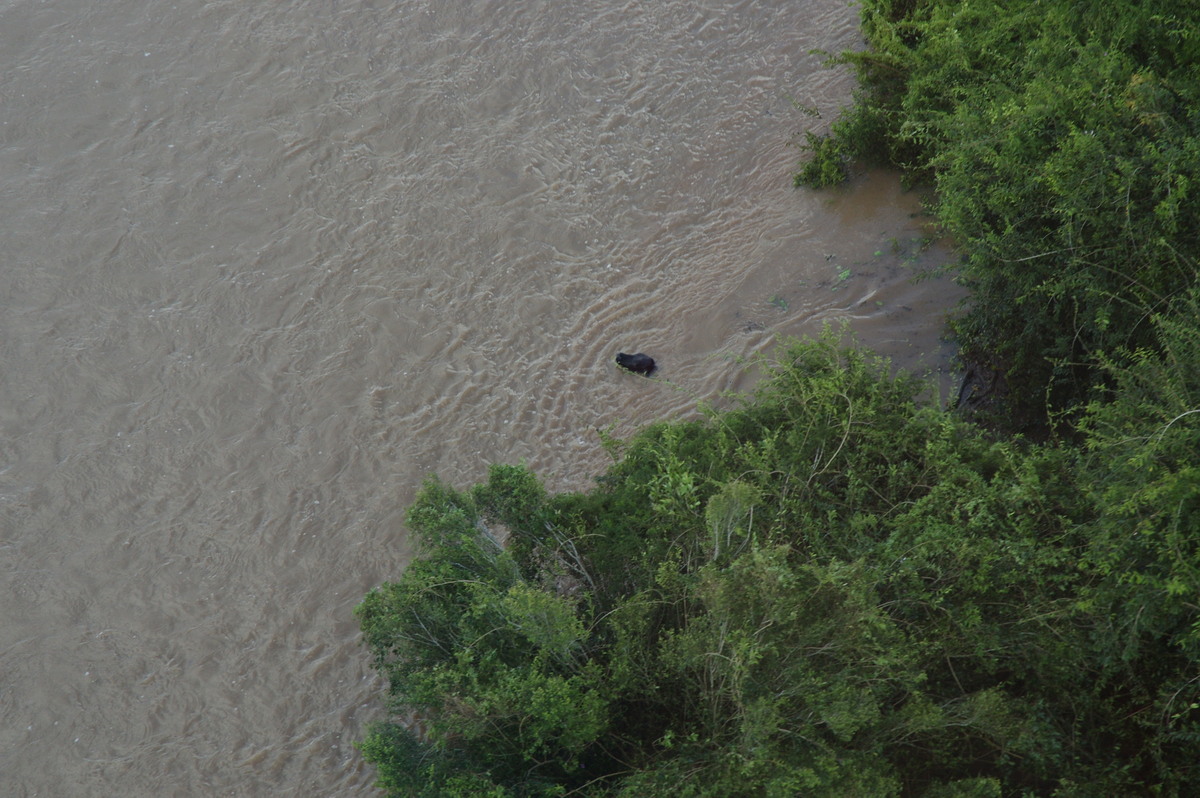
[830, 590]
[1064, 142]
[834, 589]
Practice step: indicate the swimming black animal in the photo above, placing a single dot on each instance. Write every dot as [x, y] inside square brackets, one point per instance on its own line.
[638, 364]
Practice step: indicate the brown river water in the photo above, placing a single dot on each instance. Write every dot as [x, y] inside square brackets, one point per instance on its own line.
[266, 265]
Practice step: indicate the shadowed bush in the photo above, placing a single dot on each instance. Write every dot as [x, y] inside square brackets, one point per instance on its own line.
[1065, 150]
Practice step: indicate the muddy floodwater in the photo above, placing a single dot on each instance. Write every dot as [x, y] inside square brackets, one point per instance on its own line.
[266, 265]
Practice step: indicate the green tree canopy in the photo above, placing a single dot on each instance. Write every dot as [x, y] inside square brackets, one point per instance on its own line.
[829, 590]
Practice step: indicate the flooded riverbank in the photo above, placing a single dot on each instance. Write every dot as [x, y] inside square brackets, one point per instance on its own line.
[268, 266]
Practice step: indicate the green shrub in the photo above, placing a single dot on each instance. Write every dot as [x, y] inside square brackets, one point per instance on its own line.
[827, 590]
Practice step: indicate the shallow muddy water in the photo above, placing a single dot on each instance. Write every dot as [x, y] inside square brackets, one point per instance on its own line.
[265, 266]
